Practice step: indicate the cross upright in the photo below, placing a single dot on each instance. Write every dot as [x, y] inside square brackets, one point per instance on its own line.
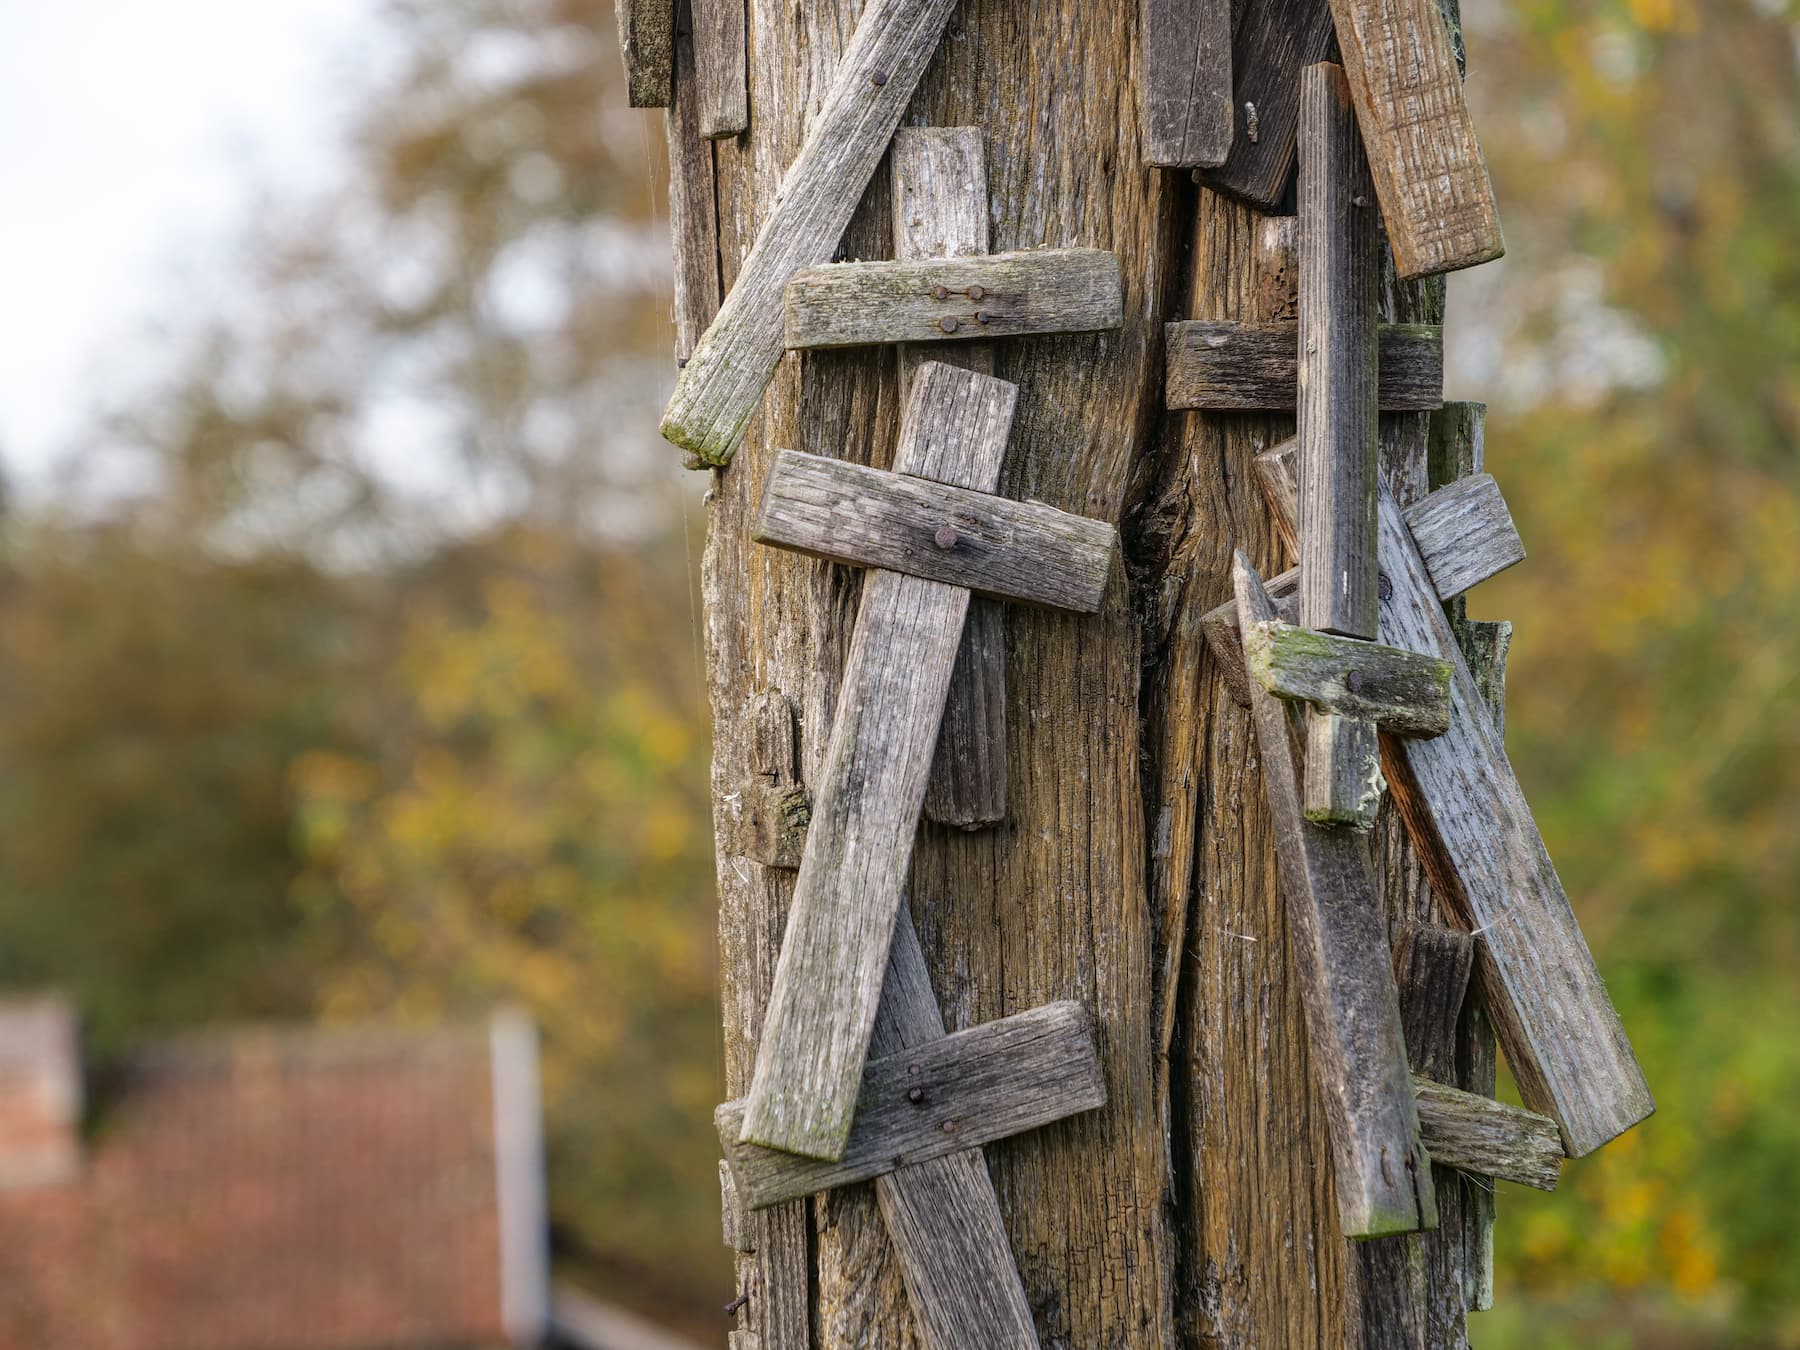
[931, 531]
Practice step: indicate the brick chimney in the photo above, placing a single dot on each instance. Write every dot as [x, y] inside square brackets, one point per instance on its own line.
[40, 1092]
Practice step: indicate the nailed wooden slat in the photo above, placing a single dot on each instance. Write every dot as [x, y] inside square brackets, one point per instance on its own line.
[647, 42]
[851, 513]
[719, 56]
[1255, 367]
[693, 228]
[1431, 970]
[1469, 820]
[866, 812]
[942, 1214]
[1186, 84]
[1338, 945]
[973, 1087]
[1427, 164]
[1051, 290]
[719, 389]
[735, 1221]
[940, 209]
[1275, 40]
[1477, 1134]
[1470, 530]
[1406, 692]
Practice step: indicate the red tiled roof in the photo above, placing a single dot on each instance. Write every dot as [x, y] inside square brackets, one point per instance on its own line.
[271, 1190]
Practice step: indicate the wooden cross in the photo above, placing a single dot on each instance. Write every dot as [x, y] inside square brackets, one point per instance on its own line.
[1468, 818]
[944, 289]
[931, 532]
[928, 1103]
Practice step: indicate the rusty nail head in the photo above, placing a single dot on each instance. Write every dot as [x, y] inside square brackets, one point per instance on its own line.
[878, 79]
[982, 316]
[1383, 587]
[1353, 682]
[947, 323]
[949, 1127]
[976, 293]
[916, 1094]
[914, 1070]
[736, 1303]
[939, 293]
[1359, 201]
[945, 538]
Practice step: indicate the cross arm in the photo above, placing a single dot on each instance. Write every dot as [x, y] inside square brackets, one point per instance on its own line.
[1473, 1133]
[1406, 693]
[1061, 290]
[853, 514]
[1255, 367]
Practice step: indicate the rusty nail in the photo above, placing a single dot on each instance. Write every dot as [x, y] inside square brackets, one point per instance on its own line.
[949, 1127]
[878, 79]
[976, 293]
[681, 363]
[736, 1303]
[1353, 682]
[916, 1094]
[914, 1070]
[947, 323]
[944, 538]
[982, 316]
[1383, 587]
[939, 293]
[1359, 201]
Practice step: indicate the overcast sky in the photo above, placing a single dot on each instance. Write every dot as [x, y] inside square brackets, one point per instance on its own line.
[133, 137]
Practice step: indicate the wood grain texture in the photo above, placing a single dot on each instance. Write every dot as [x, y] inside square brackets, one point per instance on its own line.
[1255, 367]
[990, 1082]
[647, 42]
[693, 231]
[856, 304]
[719, 389]
[1052, 904]
[768, 814]
[1186, 84]
[1406, 692]
[1470, 535]
[1427, 164]
[1275, 40]
[734, 1218]
[724, 107]
[1474, 1133]
[1469, 820]
[1023, 551]
[828, 982]
[1339, 947]
[1431, 970]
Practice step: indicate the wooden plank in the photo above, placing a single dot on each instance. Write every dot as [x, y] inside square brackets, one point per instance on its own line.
[1468, 818]
[1431, 970]
[1423, 154]
[734, 1220]
[1255, 367]
[1275, 40]
[936, 1099]
[647, 43]
[940, 209]
[722, 384]
[942, 1214]
[1186, 85]
[693, 228]
[1407, 693]
[1473, 1133]
[719, 55]
[1050, 290]
[867, 517]
[1339, 947]
[871, 789]
[1454, 568]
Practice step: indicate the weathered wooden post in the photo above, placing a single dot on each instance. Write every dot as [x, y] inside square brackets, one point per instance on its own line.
[1113, 1045]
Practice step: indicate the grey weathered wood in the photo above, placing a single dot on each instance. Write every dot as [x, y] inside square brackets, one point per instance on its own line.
[719, 57]
[735, 1221]
[857, 304]
[1186, 85]
[693, 229]
[1455, 565]
[1255, 367]
[940, 209]
[1275, 40]
[1338, 944]
[1431, 970]
[1468, 818]
[770, 809]
[719, 389]
[1473, 1133]
[1423, 154]
[990, 1082]
[1477, 1070]
[1406, 693]
[1340, 264]
[866, 811]
[647, 42]
[866, 517]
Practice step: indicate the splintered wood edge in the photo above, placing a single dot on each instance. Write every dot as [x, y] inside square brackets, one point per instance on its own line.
[976, 1086]
[1473, 1133]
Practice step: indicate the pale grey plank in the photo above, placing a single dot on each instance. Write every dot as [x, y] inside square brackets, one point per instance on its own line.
[719, 389]
[857, 304]
[867, 517]
[719, 55]
[1226, 366]
[1185, 89]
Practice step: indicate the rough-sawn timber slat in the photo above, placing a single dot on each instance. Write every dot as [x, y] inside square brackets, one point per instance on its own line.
[1477, 1134]
[858, 304]
[1407, 693]
[1255, 367]
[1186, 85]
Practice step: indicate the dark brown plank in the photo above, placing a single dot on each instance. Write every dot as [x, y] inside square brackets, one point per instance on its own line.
[1255, 367]
[1186, 85]
[1339, 946]
[1275, 40]
[867, 517]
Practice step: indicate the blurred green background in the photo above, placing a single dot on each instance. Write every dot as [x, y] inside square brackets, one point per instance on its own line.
[370, 682]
